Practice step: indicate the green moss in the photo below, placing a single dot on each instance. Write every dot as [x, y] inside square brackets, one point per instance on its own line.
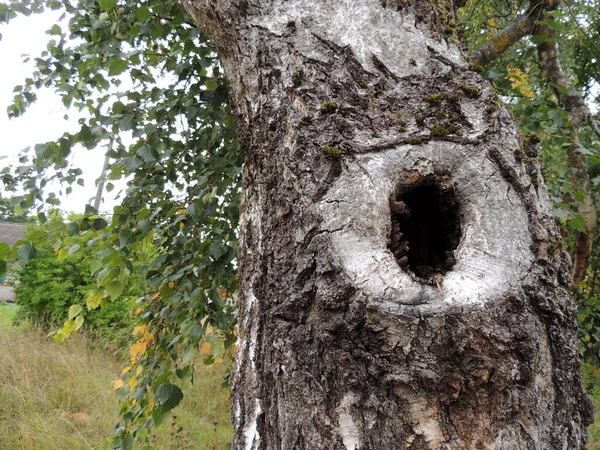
[380, 87]
[415, 141]
[453, 97]
[329, 107]
[471, 91]
[420, 119]
[332, 151]
[529, 138]
[434, 99]
[519, 156]
[444, 128]
[535, 180]
[477, 68]
[364, 84]
[402, 129]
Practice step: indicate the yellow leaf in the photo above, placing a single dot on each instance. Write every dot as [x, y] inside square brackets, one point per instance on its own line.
[172, 284]
[138, 371]
[520, 82]
[140, 329]
[138, 349]
[118, 384]
[181, 225]
[132, 382]
[94, 299]
[218, 360]
[206, 348]
[125, 370]
[137, 310]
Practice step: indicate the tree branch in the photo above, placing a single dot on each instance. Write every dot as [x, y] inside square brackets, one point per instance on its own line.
[499, 43]
[572, 101]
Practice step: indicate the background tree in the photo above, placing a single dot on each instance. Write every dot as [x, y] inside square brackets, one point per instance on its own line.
[7, 212]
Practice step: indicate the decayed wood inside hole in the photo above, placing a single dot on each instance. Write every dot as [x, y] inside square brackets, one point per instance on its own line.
[425, 225]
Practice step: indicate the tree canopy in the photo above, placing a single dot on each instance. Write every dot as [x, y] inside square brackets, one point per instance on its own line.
[149, 91]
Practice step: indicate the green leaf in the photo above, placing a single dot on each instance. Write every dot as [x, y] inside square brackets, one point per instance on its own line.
[68, 328]
[74, 311]
[62, 253]
[169, 396]
[3, 267]
[94, 299]
[585, 151]
[99, 224]
[577, 223]
[107, 5]
[218, 250]
[117, 66]
[73, 228]
[540, 39]
[27, 252]
[115, 289]
[126, 237]
[143, 13]
[211, 84]
[55, 30]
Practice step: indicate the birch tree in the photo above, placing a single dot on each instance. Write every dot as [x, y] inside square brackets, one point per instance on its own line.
[403, 283]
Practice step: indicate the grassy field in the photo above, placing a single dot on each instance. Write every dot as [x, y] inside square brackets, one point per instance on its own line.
[59, 397]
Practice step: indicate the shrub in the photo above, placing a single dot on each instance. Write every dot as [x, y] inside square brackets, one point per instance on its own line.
[48, 287]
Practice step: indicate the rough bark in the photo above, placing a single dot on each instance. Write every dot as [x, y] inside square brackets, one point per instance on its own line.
[345, 110]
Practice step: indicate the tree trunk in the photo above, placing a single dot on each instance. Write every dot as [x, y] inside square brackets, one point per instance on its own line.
[402, 280]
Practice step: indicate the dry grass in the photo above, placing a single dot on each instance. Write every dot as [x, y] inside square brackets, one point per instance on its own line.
[59, 397]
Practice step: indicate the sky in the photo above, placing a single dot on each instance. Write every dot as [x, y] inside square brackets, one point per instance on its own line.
[44, 121]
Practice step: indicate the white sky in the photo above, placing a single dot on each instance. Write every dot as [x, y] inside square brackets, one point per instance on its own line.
[44, 120]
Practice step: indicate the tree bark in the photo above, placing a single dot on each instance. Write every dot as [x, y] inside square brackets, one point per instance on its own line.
[402, 281]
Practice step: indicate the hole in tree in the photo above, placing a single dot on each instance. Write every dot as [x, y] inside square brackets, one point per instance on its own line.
[425, 225]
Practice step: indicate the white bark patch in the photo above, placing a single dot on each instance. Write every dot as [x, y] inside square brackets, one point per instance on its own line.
[251, 435]
[425, 418]
[347, 427]
[494, 252]
[365, 26]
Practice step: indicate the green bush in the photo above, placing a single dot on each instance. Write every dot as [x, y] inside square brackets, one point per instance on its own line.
[48, 287]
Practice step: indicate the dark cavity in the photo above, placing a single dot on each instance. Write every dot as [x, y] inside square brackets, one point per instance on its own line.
[425, 225]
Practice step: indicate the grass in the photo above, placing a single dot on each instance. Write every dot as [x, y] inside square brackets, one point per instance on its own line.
[59, 396]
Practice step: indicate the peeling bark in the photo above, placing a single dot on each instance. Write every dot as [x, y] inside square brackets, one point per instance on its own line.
[340, 346]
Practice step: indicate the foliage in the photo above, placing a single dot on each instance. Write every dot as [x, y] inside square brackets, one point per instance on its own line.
[148, 85]
[143, 76]
[58, 286]
[50, 289]
[7, 212]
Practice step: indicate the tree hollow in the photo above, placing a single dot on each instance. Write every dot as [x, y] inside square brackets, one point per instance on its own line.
[425, 225]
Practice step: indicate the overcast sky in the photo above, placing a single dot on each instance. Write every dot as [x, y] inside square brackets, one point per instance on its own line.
[44, 120]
